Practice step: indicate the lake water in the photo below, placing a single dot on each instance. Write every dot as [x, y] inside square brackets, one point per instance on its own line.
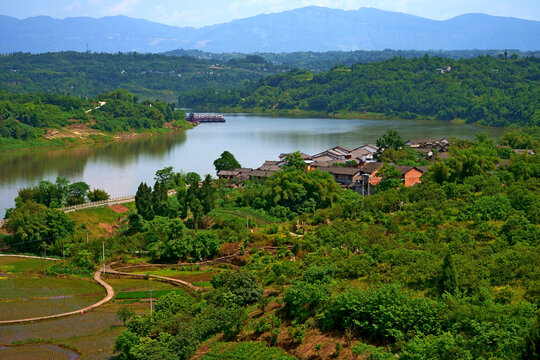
[119, 167]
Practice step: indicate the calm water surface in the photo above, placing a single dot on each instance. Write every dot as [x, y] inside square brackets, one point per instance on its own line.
[120, 167]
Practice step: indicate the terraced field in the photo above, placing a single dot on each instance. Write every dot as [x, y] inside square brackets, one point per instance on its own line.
[25, 292]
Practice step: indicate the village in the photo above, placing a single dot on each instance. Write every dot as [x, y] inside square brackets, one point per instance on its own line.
[356, 169]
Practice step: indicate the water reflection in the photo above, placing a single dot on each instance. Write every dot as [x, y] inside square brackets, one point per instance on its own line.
[119, 167]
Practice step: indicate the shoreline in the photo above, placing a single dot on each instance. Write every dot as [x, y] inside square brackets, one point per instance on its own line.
[337, 115]
[44, 143]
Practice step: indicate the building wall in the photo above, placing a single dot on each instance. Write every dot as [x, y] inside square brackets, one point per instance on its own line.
[374, 179]
[412, 177]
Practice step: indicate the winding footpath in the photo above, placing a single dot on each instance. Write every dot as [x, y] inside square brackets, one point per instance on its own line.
[97, 278]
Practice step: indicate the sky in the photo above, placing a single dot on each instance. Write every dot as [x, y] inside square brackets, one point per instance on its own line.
[198, 13]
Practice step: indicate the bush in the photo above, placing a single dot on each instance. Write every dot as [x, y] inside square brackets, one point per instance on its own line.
[386, 312]
[303, 300]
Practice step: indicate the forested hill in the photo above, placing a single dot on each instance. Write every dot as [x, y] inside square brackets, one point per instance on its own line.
[40, 119]
[147, 75]
[324, 61]
[485, 90]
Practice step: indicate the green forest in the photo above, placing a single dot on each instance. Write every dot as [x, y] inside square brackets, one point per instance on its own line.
[26, 118]
[485, 90]
[149, 76]
[445, 269]
[324, 61]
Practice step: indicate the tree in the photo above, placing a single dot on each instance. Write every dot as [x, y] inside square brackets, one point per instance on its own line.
[143, 201]
[97, 195]
[124, 314]
[241, 284]
[207, 194]
[165, 177]
[226, 161]
[193, 178]
[390, 140]
[77, 193]
[448, 280]
[196, 209]
[390, 178]
[294, 161]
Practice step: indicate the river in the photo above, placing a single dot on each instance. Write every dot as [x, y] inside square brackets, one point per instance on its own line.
[119, 167]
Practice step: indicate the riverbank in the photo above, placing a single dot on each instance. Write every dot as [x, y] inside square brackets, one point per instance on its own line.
[323, 114]
[69, 136]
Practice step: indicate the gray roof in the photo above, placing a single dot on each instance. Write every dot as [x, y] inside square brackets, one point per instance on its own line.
[262, 173]
[340, 170]
[371, 167]
[228, 173]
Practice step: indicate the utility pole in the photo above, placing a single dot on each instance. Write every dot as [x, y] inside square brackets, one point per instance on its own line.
[103, 246]
[63, 252]
[151, 307]
[87, 236]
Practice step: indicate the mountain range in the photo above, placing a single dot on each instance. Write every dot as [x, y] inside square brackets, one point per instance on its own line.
[305, 29]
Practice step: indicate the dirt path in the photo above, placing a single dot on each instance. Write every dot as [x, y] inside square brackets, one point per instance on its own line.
[30, 257]
[97, 278]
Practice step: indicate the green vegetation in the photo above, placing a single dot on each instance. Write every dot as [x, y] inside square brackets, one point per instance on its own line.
[245, 351]
[484, 90]
[226, 161]
[324, 61]
[149, 76]
[443, 269]
[123, 295]
[29, 120]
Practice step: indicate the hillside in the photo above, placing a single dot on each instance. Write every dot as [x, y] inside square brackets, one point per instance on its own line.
[40, 119]
[304, 29]
[324, 61]
[445, 269]
[146, 75]
[485, 90]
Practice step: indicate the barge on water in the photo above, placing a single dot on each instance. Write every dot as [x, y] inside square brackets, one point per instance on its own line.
[205, 118]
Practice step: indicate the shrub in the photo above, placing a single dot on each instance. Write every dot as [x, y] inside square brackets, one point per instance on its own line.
[386, 312]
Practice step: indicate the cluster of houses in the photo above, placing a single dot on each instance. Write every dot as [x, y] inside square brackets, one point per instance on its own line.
[355, 169]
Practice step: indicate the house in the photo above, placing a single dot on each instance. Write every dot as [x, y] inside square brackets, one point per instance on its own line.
[370, 171]
[368, 147]
[345, 176]
[335, 153]
[238, 175]
[261, 175]
[307, 158]
[422, 143]
[270, 165]
[227, 174]
[304, 156]
[410, 175]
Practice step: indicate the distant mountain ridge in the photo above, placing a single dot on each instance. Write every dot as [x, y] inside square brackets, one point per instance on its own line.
[304, 29]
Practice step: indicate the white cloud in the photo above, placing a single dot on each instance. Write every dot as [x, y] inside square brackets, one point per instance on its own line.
[120, 8]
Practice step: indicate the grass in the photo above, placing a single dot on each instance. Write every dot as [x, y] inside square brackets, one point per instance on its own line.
[21, 265]
[124, 295]
[94, 217]
[255, 216]
[245, 351]
[193, 276]
[123, 284]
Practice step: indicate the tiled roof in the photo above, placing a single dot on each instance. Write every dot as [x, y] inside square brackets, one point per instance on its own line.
[340, 170]
[370, 168]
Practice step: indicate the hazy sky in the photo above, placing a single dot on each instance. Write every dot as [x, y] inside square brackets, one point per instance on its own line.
[199, 13]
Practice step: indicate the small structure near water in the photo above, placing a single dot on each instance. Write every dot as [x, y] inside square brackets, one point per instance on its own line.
[205, 118]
